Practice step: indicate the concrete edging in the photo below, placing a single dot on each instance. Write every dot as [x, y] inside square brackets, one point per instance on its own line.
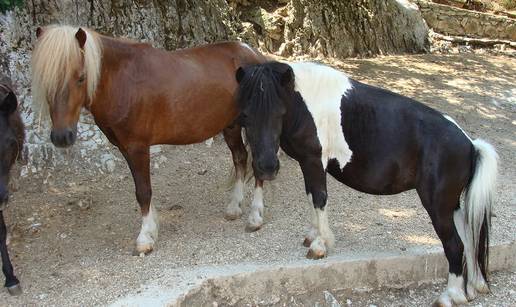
[270, 284]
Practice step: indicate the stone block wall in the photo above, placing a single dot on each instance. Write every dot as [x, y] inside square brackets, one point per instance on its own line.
[454, 21]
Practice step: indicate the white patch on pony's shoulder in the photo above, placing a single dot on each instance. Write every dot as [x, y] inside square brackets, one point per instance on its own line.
[455, 123]
[322, 89]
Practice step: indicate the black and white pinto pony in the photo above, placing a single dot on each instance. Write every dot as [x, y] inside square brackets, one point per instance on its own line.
[377, 142]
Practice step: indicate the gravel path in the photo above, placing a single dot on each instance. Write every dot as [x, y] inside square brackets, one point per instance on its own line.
[73, 234]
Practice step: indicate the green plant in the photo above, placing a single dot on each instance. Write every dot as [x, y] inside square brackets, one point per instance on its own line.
[509, 4]
[6, 5]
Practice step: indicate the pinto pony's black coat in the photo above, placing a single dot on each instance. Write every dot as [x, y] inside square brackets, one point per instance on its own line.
[11, 145]
[397, 144]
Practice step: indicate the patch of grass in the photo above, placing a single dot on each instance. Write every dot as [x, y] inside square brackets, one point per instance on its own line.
[508, 4]
[7, 5]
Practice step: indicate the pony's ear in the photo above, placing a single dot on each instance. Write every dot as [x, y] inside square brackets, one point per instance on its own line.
[287, 77]
[81, 37]
[39, 32]
[240, 73]
[9, 104]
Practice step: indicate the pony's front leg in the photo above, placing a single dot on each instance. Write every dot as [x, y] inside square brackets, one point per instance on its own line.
[11, 282]
[255, 221]
[233, 138]
[138, 159]
[312, 232]
[315, 184]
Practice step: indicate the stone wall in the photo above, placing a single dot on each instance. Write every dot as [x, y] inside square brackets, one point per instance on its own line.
[455, 21]
[286, 27]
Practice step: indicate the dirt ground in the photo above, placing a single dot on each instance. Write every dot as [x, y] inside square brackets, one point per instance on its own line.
[73, 234]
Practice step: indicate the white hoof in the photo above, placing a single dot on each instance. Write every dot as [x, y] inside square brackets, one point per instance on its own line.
[255, 222]
[454, 293]
[317, 249]
[233, 212]
[148, 233]
[476, 287]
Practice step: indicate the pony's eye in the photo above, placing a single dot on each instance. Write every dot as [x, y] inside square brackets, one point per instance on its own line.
[81, 79]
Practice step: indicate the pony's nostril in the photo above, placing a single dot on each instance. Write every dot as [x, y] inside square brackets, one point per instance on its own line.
[53, 137]
[269, 166]
[62, 137]
[70, 135]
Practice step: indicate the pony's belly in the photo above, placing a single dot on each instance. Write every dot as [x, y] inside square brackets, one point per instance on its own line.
[388, 180]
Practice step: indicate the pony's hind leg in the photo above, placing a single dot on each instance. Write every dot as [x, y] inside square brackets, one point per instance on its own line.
[441, 205]
[233, 137]
[138, 159]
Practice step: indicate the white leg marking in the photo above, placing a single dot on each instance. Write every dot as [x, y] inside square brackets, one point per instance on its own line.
[233, 210]
[454, 293]
[325, 239]
[149, 231]
[256, 215]
[324, 229]
[312, 232]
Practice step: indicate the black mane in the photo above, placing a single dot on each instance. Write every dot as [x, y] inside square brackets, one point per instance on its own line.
[261, 90]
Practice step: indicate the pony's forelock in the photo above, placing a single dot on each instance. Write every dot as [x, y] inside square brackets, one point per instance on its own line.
[260, 90]
[55, 55]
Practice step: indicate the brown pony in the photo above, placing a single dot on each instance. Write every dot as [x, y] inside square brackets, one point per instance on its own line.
[141, 96]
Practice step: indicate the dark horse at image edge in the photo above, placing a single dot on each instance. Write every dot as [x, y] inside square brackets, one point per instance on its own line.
[377, 142]
[11, 144]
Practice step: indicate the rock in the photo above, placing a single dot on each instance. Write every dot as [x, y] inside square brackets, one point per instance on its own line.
[83, 205]
[330, 299]
[107, 161]
[202, 172]
[35, 228]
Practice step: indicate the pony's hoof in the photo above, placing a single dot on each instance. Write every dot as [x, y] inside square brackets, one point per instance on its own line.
[307, 242]
[315, 254]
[451, 297]
[143, 250]
[252, 228]
[15, 290]
[233, 214]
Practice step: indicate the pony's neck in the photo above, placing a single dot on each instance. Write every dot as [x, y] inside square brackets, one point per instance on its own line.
[116, 54]
[295, 116]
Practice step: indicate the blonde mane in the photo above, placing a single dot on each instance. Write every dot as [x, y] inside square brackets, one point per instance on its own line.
[55, 56]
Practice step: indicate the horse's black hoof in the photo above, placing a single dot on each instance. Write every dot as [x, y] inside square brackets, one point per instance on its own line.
[307, 242]
[15, 290]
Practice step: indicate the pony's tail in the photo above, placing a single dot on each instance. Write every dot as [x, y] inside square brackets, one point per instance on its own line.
[479, 198]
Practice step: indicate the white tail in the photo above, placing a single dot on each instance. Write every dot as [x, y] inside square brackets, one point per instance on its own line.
[479, 197]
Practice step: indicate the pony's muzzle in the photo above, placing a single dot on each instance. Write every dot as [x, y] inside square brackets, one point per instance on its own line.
[266, 169]
[63, 137]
